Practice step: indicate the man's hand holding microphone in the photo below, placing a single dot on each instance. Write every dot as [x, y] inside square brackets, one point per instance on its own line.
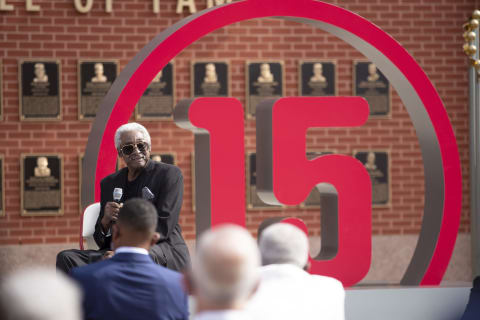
[112, 208]
[110, 215]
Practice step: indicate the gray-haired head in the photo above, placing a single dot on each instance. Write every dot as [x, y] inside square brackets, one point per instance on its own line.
[283, 243]
[39, 294]
[225, 271]
[128, 127]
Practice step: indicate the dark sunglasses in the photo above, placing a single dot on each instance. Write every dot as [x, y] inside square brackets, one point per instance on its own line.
[128, 149]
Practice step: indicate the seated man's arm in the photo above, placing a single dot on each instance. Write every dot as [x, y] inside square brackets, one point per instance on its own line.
[102, 237]
[169, 203]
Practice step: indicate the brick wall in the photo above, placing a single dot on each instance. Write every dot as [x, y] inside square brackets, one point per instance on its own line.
[430, 30]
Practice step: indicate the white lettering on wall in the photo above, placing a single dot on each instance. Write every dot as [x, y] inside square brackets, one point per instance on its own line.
[108, 6]
[186, 3]
[31, 7]
[156, 6]
[83, 8]
[211, 3]
[4, 6]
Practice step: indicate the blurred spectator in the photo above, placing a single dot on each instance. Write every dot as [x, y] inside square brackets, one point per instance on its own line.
[130, 285]
[224, 274]
[473, 307]
[39, 294]
[286, 290]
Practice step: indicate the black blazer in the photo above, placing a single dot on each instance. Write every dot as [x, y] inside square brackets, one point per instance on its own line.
[166, 184]
[130, 286]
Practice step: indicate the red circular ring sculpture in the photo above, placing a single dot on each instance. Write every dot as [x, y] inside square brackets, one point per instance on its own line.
[443, 188]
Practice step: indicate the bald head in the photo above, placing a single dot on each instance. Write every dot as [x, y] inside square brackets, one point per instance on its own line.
[225, 269]
[39, 294]
[283, 243]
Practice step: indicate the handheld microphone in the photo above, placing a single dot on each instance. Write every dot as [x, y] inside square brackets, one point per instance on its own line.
[117, 194]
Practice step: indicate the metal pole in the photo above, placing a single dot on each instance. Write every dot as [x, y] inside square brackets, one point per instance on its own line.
[470, 48]
[472, 75]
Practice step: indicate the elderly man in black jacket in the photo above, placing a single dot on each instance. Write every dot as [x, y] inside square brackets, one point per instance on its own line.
[160, 183]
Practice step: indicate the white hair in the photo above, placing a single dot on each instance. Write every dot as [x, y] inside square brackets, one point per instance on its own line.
[225, 269]
[283, 243]
[128, 127]
[40, 294]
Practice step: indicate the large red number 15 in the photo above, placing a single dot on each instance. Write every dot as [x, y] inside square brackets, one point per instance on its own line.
[284, 174]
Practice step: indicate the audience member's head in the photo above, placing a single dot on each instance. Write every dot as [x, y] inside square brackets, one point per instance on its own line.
[283, 243]
[225, 270]
[136, 224]
[39, 294]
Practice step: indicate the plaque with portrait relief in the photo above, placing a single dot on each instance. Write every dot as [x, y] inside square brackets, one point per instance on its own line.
[41, 177]
[377, 164]
[264, 80]
[210, 79]
[165, 157]
[39, 90]
[94, 80]
[370, 83]
[317, 78]
[253, 200]
[2, 185]
[313, 199]
[157, 101]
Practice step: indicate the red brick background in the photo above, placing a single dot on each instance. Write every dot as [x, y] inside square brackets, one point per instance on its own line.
[431, 30]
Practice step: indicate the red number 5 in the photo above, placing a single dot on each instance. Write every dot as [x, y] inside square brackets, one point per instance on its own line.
[285, 175]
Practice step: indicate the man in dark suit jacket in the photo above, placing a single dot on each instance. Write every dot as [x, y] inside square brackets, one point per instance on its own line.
[160, 183]
[130, 285]
[170, 250]
[473, 307]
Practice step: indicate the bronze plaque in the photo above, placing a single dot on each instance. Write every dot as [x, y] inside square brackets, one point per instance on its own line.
[42, 184]
[210, 79]
[264, 80]
[158, 100]
[253, 200]
[317, 78]
[2, 186]
[377, 164]
[313, 199]
[94, 80]
[164, 157]
[370, 83]
[39, 90]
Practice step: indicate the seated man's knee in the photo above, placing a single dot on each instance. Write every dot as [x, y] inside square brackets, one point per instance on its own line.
[62, 255]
